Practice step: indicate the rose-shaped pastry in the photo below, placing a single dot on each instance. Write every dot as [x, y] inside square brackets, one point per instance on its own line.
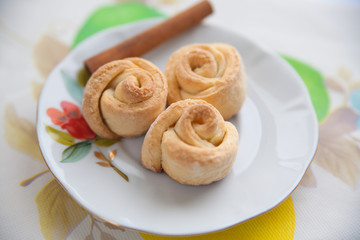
[192, 143]
[212, 72]
[122, 98]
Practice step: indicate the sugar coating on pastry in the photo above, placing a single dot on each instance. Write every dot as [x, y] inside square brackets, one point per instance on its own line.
[211, 72]
[122, 98]
[191, 142]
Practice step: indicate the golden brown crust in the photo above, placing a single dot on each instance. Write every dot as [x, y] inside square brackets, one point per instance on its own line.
[192, 143]
[211, 72]
[122, 98]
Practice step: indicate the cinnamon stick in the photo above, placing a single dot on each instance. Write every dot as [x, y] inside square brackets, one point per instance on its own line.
[149, 39]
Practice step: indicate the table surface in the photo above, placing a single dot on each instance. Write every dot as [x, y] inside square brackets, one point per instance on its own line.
[320, 39]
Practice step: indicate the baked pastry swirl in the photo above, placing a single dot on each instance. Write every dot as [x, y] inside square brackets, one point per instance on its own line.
[122, 98]
[212, 72]
[191, 142]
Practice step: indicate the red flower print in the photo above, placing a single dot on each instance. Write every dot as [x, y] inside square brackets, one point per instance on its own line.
[71, 120]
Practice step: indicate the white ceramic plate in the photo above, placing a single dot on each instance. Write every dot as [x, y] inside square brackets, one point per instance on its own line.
[278, 136]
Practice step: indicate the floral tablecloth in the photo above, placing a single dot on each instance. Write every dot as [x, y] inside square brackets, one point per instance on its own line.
[320, 39]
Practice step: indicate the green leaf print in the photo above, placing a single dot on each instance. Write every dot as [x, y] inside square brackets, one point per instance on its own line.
[315, 84]
[60, 136]
[114, 15]
[76, 152]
